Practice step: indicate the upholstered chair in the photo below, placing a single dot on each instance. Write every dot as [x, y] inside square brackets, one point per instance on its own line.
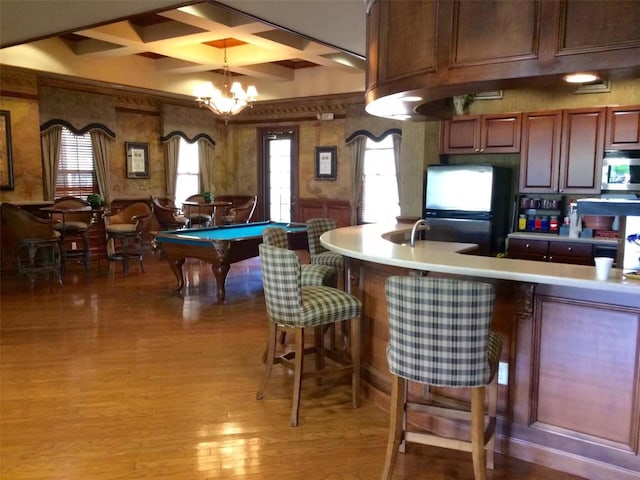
[75, 218]
[241, 213]
[124, 229]
[318, 254]
[298, 308]
[167, 216]
[197, 216]
[439, 335]
[310, 274]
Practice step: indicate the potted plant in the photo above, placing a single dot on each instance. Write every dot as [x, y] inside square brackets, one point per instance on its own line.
[208, 196]
[94, 200]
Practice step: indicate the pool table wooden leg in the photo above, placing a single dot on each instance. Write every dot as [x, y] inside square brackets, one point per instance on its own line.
[220, 271]
[176, 268]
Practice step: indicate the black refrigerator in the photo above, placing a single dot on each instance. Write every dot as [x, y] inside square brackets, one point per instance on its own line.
[469, 204]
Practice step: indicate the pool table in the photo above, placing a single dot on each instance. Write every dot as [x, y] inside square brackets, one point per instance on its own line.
[220, 246]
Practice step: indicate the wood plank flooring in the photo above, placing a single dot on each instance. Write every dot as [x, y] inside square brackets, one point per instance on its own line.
[120, 378]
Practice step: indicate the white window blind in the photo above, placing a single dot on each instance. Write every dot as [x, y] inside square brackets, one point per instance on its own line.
[76, 167]
[380, 202]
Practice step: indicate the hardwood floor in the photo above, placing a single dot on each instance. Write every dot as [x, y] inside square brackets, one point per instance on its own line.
[120, 378]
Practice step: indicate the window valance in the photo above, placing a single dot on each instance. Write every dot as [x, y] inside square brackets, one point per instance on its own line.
[80, 111]
[372, 136]
[192, 124]
[77, 131]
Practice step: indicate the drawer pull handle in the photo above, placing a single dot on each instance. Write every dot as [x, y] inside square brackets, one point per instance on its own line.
[527, 245]
[569, 249]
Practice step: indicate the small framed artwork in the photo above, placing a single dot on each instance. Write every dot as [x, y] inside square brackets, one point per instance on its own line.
[6, 153]
[137, 159]
[326, 162]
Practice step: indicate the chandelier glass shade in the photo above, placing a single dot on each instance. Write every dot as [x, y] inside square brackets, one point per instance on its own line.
[226, 101]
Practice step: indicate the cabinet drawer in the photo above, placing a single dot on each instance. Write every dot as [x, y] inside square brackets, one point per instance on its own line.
[528, 246]
[568, 249]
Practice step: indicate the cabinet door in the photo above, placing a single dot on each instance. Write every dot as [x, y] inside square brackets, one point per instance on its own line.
[500, 133]
[461, 135]
[540, 157]
[528, 249]
[582, 150]
[623, 128]
[568, 252]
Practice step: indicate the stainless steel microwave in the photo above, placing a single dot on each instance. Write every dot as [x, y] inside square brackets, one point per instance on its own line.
[621, 170]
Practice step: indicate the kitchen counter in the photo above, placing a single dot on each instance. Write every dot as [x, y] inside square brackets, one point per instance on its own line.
[388, 245]
[570, 348]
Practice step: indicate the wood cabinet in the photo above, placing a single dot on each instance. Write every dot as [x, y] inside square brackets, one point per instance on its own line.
[623, 128]
[562, 151]
[481, 134]
[577, 253]
[442, 48]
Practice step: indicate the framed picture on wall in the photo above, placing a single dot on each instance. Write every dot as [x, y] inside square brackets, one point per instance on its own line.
[137, 159]
[326, 162]
[6, 153]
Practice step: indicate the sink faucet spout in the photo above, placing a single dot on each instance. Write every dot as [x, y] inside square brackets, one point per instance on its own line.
[414, 229]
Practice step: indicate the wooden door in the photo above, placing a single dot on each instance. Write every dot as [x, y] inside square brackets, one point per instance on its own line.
[540, 151]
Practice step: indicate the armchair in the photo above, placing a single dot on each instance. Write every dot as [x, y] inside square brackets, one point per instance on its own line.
[167, 216]
[241, 212]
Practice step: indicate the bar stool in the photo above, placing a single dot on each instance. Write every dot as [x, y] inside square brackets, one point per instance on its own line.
[320, 255]
[293, 306]
[38, 256]
[439, 335]
[125, 227]
[76, 218]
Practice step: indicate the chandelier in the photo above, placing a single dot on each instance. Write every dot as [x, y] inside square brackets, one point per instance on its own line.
[225, 102]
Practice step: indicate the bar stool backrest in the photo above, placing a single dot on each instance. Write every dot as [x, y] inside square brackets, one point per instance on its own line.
[439, 330]
[315, 228]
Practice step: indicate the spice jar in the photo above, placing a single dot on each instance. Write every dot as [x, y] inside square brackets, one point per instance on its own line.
[522, 222]
[553, 224]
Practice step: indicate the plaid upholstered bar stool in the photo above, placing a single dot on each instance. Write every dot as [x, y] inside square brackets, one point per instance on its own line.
[297, 307]
[320, 255]
[309, 274]
[439, 335]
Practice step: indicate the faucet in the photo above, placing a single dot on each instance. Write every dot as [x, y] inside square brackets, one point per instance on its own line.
[422, 221]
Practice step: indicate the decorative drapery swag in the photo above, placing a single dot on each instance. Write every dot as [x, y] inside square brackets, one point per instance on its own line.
[358, 141]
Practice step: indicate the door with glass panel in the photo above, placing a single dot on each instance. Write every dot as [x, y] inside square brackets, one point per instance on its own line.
[279, 154]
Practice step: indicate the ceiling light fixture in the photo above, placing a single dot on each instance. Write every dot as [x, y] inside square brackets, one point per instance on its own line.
[581, 77]
[225, 102]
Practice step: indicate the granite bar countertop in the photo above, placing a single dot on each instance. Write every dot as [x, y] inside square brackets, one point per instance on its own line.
[387, 244]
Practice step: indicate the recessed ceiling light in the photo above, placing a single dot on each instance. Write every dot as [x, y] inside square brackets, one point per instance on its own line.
[580, 78]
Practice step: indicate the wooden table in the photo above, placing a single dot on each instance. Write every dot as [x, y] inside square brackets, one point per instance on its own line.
[216, 213]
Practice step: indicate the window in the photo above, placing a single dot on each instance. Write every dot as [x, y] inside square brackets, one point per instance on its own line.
[380, 202]
[76, 168]
[188, 179]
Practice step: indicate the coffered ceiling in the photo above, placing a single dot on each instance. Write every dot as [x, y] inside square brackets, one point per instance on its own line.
[269, 44]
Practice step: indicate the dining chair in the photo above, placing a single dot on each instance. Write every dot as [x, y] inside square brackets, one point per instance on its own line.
[439, 336]
[298, 308]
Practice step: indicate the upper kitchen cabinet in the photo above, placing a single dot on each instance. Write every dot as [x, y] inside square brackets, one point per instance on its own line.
[481, 134]
[562, 151]
[422, 53]
[623, 128]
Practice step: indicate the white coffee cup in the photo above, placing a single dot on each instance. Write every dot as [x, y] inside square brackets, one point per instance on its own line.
[603, 267]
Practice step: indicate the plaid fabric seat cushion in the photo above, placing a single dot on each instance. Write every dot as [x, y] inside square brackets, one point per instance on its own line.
[439, 331]
[290, 304]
